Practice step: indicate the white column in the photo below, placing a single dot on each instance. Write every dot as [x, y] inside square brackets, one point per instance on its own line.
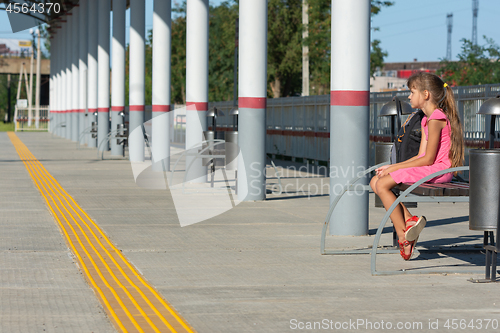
[349, 112]
[252, 100]
[64, 28]
[92, 69]
[52, 81]
[136, 79]
[38, 80]
[196, 82]
[69, 76]
[30, 95]
[118, 71]
[59, 79]
[104, 10]
[75, 101]
[82, 65]
[161, 84]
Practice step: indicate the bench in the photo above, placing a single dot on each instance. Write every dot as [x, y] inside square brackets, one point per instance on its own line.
[438, 190]
[409, 192]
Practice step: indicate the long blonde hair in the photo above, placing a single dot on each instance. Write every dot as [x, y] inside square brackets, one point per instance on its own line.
[442, 95]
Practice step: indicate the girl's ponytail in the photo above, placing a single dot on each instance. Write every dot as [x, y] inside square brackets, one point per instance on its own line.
[449, 107]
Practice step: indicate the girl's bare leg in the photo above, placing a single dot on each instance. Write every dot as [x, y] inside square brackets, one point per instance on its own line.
[404, 211]
[384, 186]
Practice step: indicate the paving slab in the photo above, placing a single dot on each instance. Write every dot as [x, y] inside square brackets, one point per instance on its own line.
[41, 288]
[254, 268]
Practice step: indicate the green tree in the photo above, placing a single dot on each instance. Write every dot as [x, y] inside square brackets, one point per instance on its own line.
[285, 42]
[319, 40]
[319, 43]
[3, 94]
[376, 56]
[222, 31]
[222, 22]
[178, 63]
[477, 64]
[284, 47]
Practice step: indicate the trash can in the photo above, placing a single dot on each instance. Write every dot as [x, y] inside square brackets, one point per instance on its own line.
[484, 189]
[232, 150]
[382, 154]
[207, 136]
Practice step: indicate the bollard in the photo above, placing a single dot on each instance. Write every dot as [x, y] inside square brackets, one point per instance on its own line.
[232, 150]
[120, 132]
[207, 136]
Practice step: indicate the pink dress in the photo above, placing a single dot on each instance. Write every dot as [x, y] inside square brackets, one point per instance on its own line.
[442, 161]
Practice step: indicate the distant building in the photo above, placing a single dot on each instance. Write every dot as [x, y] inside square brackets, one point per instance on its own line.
[393, 75]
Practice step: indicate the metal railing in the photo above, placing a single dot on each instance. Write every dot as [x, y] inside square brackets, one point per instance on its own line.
[299, 127]
[23, 121]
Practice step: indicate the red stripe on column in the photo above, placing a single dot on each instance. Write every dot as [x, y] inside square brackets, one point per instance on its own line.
[252, 102]
[349, 98]
[136, 108]
[117, 108]
[102, 109]
[196, 106]
[161, 108]
[92, 110]
[322, 134]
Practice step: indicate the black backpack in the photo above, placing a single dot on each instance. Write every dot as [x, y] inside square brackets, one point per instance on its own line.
[407, 143]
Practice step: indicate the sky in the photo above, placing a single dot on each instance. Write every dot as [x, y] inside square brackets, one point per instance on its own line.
[417, 29]
[408, 30]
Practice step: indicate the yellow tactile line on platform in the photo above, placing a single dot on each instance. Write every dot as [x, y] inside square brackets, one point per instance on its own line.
[126, 296]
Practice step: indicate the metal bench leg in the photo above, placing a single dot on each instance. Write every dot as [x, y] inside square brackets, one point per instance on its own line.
[376, 241]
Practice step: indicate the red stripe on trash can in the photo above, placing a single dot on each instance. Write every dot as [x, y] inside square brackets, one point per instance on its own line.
[350, 98]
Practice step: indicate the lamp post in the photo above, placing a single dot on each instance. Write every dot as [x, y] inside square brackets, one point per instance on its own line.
[492, 108]
[395, 109]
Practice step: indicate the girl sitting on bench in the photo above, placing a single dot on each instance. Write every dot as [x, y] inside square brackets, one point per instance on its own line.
[441, 148]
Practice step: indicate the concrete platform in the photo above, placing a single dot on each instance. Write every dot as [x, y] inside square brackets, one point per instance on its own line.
[254, 268]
